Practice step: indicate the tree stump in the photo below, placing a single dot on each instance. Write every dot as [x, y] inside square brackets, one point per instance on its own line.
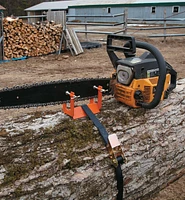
[51, 156]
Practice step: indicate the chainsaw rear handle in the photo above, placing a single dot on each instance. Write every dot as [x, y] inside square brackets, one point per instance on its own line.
[162, 73]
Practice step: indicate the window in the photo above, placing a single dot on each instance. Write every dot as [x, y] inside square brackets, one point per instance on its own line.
[153, 9]
[175, 9]
[108, 10]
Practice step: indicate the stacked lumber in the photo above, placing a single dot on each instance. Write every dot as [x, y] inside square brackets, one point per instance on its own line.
[21, 39]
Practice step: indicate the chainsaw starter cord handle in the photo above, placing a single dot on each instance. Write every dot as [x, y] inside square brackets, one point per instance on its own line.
[162, 73]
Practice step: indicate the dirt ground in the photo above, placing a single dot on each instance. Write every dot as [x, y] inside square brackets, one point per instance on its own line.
[92, 63]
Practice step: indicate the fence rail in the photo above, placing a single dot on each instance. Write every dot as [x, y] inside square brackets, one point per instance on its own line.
[127, 24]
[161, 22]
[155, 19]
[32, 16]
[87, 24]
[92, 16]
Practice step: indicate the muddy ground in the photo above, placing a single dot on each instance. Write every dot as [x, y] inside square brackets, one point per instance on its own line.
[92, 63]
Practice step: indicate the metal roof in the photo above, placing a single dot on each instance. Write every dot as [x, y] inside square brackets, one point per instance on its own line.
[62, 5]
[122, 2]
[54, 5]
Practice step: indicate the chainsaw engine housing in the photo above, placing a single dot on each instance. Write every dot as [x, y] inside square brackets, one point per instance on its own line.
[136, 80]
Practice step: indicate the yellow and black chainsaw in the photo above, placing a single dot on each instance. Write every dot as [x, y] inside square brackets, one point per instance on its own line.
[139, 81]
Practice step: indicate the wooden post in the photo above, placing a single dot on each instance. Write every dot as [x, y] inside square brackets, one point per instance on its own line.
[86, 28]
[125, 21]
[164, 25]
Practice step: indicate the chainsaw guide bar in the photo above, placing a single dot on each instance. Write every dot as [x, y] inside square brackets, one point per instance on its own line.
[50, 93]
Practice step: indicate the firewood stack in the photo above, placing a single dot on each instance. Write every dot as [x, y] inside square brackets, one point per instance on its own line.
[21, 39]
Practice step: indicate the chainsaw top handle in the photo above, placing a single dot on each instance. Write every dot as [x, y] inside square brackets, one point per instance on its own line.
[129, 49]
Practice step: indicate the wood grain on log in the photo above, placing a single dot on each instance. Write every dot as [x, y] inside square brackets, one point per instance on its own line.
[54, 157]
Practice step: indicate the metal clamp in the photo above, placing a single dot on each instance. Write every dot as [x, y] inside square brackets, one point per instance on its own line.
[72, 95]
[115, 150]
[99, 88]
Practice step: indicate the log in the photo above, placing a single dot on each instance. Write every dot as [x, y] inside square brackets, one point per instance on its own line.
[51, 156]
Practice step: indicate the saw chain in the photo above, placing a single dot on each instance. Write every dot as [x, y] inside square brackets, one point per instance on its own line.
[50, 93]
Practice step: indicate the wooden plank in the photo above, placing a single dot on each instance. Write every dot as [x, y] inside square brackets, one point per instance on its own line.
[167, 35]
[76, 41]
[71, 42]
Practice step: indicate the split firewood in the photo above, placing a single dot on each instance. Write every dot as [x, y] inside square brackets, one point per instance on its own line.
[21, 39]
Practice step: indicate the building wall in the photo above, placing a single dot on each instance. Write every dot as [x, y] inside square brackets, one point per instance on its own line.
[145, 12]
[35, 19]
[133, 12]
[59, 17]
[97, 12]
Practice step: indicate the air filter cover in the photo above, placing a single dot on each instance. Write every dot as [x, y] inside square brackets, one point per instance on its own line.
[124, 74]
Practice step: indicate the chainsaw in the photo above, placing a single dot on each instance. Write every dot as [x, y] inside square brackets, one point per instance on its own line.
[137, 81]
[140, 81]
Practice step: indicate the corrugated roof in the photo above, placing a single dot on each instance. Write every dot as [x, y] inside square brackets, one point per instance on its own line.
[112, 2]
[54, 5]
[62, 5]
[2, 8]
